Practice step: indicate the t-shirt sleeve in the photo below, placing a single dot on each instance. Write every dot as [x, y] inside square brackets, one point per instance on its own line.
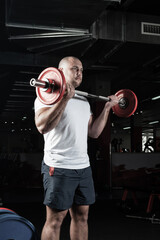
[38, 105]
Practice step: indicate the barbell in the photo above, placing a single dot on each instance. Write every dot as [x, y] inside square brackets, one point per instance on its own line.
[51, 85]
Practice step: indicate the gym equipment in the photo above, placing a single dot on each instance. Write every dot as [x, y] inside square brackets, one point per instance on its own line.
[13, 226]
[51, 85]
[153, 219]
[127, 104]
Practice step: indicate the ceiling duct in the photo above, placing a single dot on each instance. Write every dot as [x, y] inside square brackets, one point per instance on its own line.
[150, 28]
[127, 27]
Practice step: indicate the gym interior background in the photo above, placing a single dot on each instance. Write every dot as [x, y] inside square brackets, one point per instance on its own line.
[118, 42]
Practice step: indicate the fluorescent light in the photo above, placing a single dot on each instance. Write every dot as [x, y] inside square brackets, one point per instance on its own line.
[153, 122]
[125, 128]
[155, 98]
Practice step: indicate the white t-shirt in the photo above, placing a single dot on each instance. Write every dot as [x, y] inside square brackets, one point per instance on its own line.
[65, 146]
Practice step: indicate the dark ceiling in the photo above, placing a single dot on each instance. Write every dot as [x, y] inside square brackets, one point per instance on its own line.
[119, 38]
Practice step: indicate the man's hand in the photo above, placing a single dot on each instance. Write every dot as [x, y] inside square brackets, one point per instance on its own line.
[69, 92]
[114, 101]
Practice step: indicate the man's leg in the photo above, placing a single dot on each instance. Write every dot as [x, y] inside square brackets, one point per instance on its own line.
[52, 226]
[79, 222]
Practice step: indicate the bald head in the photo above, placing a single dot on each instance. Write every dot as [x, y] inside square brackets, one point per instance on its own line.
[72, 69]
[66, 60]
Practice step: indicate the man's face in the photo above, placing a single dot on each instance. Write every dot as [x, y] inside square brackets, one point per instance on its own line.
[73, 72]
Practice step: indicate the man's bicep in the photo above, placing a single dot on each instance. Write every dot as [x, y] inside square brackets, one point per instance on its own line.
[40, 115]
[40, 111]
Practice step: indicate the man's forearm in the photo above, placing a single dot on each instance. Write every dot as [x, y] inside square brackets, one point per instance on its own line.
[98, 124]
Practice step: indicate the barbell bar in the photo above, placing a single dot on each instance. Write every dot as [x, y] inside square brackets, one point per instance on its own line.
[51, 85]
[48, 86]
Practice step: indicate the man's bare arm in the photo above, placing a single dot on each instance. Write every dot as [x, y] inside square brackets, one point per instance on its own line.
[96, 126]
[47, 118]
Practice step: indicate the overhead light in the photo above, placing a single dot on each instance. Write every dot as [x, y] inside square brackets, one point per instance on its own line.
[125, 128]
[155, 98]
[153, 122]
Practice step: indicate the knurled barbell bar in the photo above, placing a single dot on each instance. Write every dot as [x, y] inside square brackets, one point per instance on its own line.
[51, 85]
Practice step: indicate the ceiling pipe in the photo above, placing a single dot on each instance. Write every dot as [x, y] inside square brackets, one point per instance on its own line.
[46, 28]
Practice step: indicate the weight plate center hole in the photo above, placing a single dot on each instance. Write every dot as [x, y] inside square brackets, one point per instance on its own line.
[123, 103]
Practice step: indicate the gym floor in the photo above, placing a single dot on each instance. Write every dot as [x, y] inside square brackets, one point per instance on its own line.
[108, 219]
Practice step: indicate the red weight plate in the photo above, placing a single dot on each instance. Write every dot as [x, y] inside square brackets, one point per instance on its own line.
[6, 210]
[57, 76]
[131, 103]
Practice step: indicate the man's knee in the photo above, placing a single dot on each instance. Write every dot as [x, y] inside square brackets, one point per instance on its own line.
[55, 219]
[79, 214]
[83, 219]
[55, 224]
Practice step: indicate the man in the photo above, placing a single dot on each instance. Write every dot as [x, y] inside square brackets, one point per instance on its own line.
[67, 175]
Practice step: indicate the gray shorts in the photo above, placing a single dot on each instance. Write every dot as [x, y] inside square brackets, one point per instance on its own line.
[67, 186]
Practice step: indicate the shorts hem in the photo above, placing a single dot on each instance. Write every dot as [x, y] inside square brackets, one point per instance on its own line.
[67, 208]
[82, 204]
[57, 208]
